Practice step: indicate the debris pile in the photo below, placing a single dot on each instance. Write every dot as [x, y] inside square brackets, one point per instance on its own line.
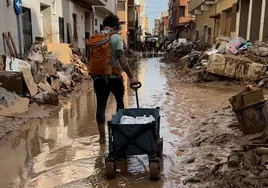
[251, 110]
[235, 59]
[44, 73]
[180, 48]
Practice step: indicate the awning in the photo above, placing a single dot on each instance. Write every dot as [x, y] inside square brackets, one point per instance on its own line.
[218, 15]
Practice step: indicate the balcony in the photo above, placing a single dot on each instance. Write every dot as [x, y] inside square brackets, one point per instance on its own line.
[108, 9]
[196, 6]
[96, 2]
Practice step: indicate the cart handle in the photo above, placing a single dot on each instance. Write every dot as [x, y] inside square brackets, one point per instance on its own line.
[135, 86]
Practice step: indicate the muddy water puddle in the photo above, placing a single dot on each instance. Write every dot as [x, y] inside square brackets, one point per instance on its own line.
[63, 151]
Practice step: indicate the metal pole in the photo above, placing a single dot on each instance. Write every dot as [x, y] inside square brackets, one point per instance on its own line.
[19, 34]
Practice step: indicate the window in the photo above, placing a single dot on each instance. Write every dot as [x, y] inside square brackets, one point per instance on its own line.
[121, 5]
[96, 22]
[209, 35]
[182, 11]
[205, 34]
[197, 34]
[75, 26]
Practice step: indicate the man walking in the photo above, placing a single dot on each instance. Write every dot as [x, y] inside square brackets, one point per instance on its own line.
[107, 61]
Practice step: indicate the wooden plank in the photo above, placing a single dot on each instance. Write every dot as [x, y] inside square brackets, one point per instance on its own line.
[29, 51]
[2, 64]
[13, 44]
[28, 78]
[70, 33]
[6, 38]
[24, 67]
[61, 51]
[253, 96]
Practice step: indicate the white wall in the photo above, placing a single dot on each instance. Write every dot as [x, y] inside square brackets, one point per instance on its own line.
[81, 29]
[100, 17]
[111, 5]
[62, 8]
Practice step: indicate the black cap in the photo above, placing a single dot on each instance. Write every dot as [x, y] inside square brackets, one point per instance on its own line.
[111, 21]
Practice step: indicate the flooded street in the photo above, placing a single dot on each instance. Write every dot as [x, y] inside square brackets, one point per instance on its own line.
[63, 151]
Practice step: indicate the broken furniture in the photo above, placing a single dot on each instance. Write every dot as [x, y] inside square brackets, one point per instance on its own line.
[251, 110]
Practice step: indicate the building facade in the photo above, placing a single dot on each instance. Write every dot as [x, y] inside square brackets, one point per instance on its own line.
[251, 17]
[101, 12]
[122, 12]
[161, 25]
[126, 11]
[180, 21]
[156, 26]
[141, 18]
[146, 24]
[51, 20]
[214, 18]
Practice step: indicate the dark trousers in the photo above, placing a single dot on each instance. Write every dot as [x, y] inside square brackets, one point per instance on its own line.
[103, 87]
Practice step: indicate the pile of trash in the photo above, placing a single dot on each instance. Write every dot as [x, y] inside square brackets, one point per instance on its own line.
[44, 73]
[247, 165]
[234, 59]
[130, 54]
[180, 48]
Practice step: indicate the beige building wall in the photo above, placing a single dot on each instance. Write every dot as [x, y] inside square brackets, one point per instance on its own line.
[146, 24]
[219, 19]
[203, 20]
[225, 4]
[123, 16]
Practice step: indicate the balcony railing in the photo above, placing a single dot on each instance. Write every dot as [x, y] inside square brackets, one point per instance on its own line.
[193, 4]
[96, 2]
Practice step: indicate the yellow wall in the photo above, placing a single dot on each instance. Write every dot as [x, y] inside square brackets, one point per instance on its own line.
[123, 33]
[123, 16]
[223, 5]
[204, 19]
[146, 25]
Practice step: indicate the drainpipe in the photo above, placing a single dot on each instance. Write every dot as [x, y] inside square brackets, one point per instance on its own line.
[262, 20]
[249, 19]
[214, 38]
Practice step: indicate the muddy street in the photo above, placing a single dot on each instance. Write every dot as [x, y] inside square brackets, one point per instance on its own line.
[63, 151]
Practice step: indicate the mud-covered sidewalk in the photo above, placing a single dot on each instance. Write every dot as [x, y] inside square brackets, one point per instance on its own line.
[197, 126]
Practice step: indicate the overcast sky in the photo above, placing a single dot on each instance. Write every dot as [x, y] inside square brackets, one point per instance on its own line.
[153, 9]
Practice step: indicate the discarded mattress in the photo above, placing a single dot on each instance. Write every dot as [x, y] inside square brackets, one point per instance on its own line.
[137, 120]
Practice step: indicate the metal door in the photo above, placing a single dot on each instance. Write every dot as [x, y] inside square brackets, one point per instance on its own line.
[26, 29]
[61, 29]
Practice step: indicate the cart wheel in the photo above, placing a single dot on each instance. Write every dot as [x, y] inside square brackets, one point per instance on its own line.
[159, 149]
[154, 170]
[110, 169]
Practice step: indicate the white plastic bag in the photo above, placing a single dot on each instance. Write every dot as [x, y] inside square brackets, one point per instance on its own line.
[137, 120]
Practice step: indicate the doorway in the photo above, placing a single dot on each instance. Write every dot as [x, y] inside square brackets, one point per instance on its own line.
[46, 23]
[75, 29]
[205, 34]
[26, 29]
[61, 29]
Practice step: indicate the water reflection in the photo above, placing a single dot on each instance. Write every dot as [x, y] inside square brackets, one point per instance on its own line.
[64, 150]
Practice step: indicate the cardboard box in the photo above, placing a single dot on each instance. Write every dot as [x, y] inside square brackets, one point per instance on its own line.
[248, 96]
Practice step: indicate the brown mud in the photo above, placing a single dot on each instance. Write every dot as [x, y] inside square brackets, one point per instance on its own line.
[63, 151]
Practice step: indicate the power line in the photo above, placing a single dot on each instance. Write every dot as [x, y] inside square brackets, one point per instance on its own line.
[154, 12]
[153, 7]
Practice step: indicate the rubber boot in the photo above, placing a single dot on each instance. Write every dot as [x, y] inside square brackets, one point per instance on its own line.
[101, 128]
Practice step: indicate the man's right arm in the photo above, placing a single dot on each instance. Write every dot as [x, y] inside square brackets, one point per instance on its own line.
[124, 64]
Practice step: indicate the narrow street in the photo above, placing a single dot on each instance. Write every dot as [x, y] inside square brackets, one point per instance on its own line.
[63, 151]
